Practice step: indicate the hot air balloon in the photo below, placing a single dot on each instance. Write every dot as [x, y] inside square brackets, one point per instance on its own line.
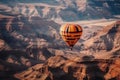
[71, 33]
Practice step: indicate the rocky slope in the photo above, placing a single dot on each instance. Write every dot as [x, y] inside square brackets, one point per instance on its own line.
[30, 39]
[59, 67]
[106, 40]
[12, 61]
[62, 10]
[24, 33]
[20, 49]
[23, 43]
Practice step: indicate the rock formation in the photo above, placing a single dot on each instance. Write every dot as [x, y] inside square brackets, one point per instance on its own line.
[107, 39]
[62, 10]
[59, 67]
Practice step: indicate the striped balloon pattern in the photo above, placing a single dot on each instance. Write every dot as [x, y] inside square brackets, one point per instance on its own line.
[71, 33]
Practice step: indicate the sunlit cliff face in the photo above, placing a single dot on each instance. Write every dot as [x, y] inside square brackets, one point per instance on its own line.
[32, 48]
[63, 68]
[71, 10]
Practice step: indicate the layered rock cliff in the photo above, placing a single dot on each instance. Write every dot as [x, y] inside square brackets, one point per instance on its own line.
[59, 67]
[62, 10]
[30, 40]
[107, 40]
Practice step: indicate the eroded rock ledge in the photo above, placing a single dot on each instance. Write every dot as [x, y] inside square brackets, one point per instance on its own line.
[59, 67]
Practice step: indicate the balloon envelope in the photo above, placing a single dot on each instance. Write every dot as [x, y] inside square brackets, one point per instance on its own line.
[71, 33]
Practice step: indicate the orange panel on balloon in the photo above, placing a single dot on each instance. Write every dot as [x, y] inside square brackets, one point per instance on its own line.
[71, 33]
